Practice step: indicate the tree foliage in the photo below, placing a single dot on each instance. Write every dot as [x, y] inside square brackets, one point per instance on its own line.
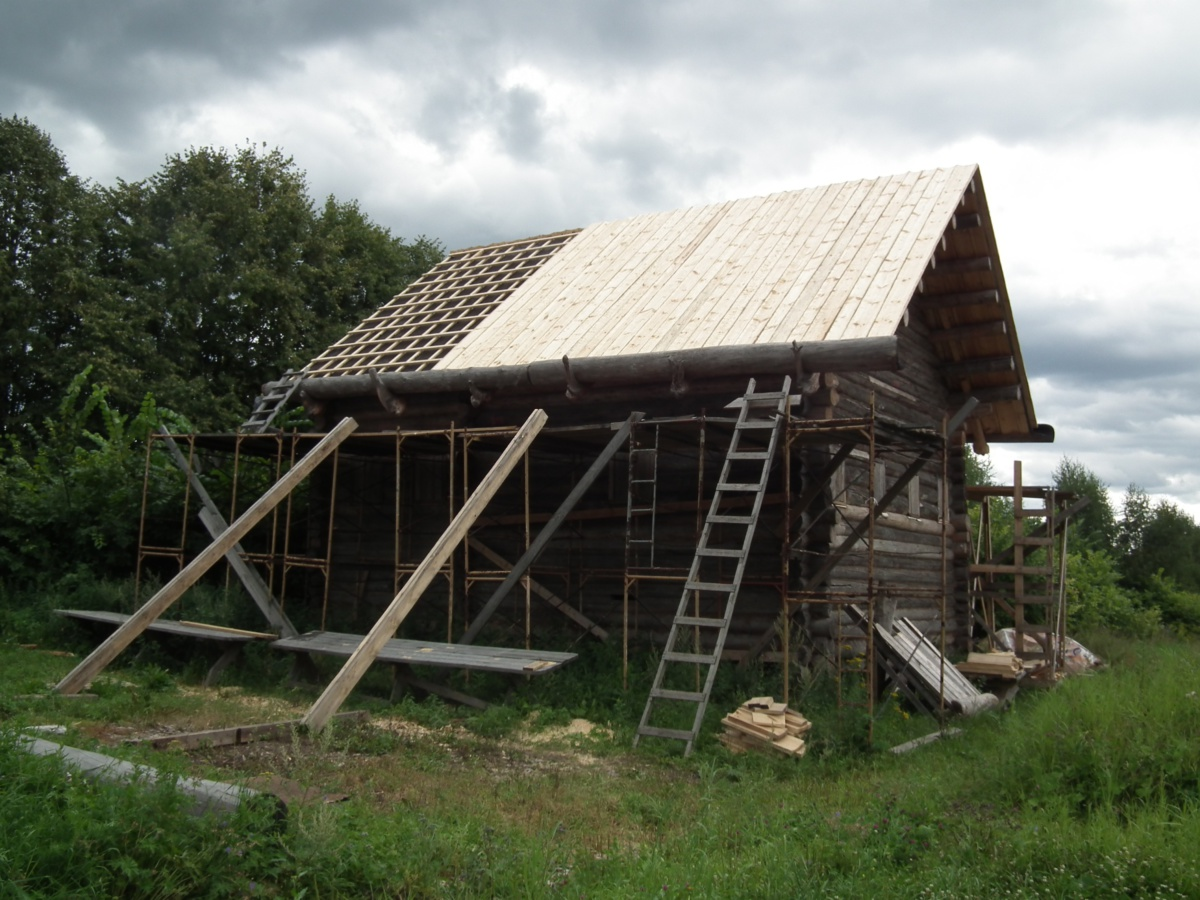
[198, 284]
[1095, 526]
[72, 500]
[46, 231]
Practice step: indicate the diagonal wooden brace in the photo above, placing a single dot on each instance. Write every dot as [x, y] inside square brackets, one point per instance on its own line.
[82, 674]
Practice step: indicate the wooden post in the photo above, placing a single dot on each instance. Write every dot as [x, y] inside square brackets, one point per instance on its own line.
[371, 645]
[82, 674]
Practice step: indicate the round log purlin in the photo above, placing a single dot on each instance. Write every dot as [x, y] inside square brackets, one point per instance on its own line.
[746, 360]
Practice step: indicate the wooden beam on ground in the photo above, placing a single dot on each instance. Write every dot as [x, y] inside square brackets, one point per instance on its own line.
[402, 675]
[236, 734]
[542, 591]
[82, 674]
[216, 525]
[550, 528]
[358, 663]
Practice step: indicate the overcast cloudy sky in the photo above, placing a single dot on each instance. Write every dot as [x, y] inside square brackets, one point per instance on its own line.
[484, 120]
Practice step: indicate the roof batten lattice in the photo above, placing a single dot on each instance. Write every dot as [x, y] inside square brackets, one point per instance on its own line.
[417, 328]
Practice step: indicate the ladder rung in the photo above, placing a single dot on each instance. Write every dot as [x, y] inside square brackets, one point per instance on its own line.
[765, 395]
[756, 423]
[641, 509]
[700, 621]
[707, 586]
[674, 733]
[747, 454]
[737, 486]
[641, 541]
[704, 659]
[731, 520]
[719, 552]
[691, 696]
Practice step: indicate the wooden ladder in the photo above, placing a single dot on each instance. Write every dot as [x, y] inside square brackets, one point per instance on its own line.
[274, 397]
[710, 592]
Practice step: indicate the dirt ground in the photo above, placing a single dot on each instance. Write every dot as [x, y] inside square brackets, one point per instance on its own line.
[373, 755]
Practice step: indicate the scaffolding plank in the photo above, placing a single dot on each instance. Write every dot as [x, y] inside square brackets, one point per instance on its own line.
[399, 651]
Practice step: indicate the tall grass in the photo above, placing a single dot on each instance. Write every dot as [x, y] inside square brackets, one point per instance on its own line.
[1086, 790]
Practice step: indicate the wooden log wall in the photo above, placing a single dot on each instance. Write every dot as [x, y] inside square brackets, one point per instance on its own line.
[908, 559]
[585, 562]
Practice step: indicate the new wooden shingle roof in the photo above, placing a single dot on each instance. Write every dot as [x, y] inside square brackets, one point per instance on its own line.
[837, 262]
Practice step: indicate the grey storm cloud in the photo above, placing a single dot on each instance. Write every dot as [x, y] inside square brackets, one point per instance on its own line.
[478, 121]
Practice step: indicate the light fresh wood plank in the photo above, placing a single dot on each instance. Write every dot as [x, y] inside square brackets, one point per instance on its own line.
[749, 300]
[791, 314]
[614, 312]
[904, 229]
[829, 295]
[691, 321]
[713, 260]
[879, 239]
[901, 291]
[802, 305]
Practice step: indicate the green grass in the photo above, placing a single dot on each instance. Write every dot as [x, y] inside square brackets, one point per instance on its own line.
[1092, 789]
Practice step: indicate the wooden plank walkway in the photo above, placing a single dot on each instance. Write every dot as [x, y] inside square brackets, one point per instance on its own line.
[399, 651]
[232, 639]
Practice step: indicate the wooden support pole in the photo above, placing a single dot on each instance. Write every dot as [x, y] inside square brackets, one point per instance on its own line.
[216, 525]
[249, 577]
[548, 530]
[82, 674]
[371, 645]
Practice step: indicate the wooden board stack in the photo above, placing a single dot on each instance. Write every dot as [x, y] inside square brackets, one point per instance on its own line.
[998, 664]
[760, 723]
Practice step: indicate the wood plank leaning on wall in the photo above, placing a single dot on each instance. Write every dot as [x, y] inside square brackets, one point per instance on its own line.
[358, 663]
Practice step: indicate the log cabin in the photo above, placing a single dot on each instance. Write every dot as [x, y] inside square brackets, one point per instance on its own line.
[757, 414]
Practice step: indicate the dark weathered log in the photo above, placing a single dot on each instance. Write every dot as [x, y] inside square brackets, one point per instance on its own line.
[660, 367]
[1007, 393]
[969, 332]
[959, 266]
[983, 366]
[963, 221]
[950, 301]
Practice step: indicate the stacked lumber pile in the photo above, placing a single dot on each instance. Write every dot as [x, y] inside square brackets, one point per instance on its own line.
[762, 724]
[998, 664]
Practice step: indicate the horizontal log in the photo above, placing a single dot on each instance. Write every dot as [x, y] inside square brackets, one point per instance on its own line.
[659, 367]
[951, 301]
[984, 365]
[997, 328]
[959, 266]
[1009, 393]
[892, 520]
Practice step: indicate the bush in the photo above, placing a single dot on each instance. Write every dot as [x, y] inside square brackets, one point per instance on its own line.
[1096, 598]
